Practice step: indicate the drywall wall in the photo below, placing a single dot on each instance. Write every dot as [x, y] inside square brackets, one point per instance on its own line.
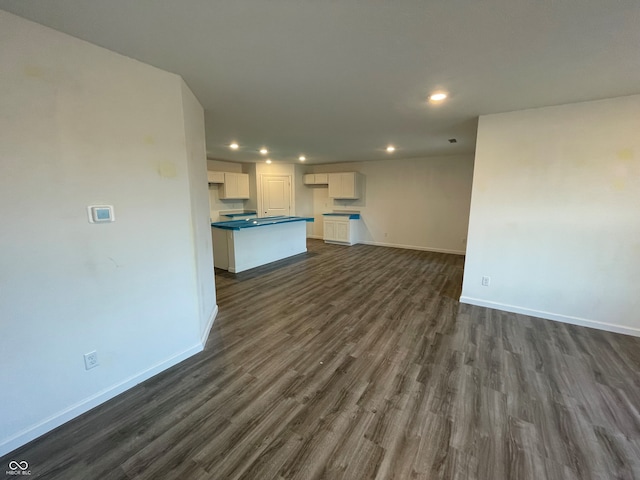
[85, 126]
[204, 284]
[223, 166]
[554, 214]
[420, 203]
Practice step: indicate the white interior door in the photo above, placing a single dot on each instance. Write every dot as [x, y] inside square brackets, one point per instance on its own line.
[276, 195]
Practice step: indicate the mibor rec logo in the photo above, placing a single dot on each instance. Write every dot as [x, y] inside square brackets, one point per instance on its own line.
[18, 468]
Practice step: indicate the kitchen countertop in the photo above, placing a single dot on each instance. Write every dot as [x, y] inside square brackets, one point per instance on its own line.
[238, 214]
[258, 222]
[351, 215]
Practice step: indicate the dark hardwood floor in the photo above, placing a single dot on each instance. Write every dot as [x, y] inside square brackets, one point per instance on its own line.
[359, 363]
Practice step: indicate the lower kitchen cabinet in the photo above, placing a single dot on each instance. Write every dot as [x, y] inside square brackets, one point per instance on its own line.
[341, 228]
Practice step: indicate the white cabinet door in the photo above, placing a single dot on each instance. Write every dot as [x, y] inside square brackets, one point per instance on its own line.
[321, 179]
[348, 185]
[344, 185]
[236, 186]
[309, 179]
[335, 185]
[329, 230]
[215, 177]
[243, 185]
[342, 232]
[230, 187]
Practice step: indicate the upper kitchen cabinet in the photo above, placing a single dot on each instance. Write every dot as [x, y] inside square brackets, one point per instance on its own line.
[345, 185]
[235, 186]
[215, 177]
[315, 179]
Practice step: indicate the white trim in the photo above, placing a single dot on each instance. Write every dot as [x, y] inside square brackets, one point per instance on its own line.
[583, 322]
[394, 245]
[414, 247]
[59, 418]
[205, 333]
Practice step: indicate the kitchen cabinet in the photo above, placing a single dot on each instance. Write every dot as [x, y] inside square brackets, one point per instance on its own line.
[235, 186]
[315, 179]
[345, 185]
[215, 177]
[321, 178]
[341, 229]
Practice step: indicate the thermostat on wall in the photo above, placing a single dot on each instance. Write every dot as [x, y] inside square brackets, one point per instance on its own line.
[100, 213]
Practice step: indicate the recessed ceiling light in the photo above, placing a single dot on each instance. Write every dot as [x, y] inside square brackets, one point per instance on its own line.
[233, 146]
[391, 148]
[269, 161]
[302, 158]
[264, 151]
[437, 97]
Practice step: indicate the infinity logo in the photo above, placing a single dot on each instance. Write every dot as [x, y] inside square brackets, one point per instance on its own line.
[23, 465]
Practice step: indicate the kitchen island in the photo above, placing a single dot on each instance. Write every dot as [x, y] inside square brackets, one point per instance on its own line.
[239, 245]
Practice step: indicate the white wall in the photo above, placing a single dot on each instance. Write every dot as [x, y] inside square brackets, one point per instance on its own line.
[204, 283]
[420, 203]
[80, 125]
[555, 214]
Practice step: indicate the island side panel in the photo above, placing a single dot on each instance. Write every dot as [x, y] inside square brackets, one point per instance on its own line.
[219, 237]
[257, 246]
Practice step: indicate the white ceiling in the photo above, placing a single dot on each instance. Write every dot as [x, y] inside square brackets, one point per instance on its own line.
[339, 80]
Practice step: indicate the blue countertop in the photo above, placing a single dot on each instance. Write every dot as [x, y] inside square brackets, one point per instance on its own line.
[238, 214]
[352, 216]
[258, 222]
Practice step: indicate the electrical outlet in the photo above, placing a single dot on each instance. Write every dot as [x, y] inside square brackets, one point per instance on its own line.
[91, 360]
[486, 281]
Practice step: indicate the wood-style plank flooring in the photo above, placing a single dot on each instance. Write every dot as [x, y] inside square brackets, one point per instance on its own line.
[359, 363]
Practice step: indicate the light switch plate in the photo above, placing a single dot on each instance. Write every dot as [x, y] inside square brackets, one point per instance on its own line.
[100, 213]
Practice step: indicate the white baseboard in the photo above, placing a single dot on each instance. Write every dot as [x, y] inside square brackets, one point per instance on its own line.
[59, 418]
[414, 247]
[583, 322]
[406, 247]
[207, 329]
